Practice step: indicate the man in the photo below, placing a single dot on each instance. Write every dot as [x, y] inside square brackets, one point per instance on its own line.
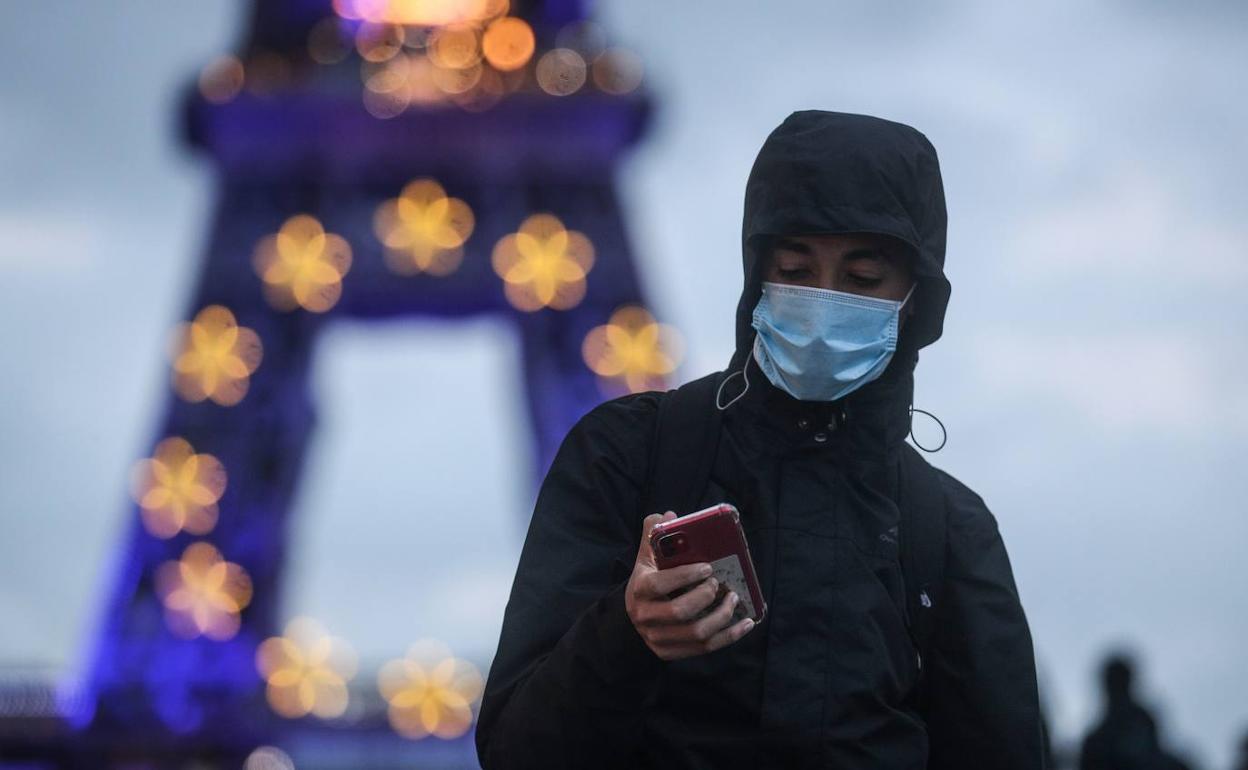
[1126, 738]
[601, 662]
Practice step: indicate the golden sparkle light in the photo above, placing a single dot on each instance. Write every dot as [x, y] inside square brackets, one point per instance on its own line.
[455, 47]
[420, 12]
[404, 80]
[177, 489]
[379, 42]
[508, 43]
[302, 265]
[215, 357]
[430, 692]
[306, 671]
[203, 594]
[632, 348]
[489, 87]
[456, 82]
[423, 229]
[543, 264]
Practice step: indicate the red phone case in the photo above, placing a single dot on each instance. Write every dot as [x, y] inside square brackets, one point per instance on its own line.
[713, 535]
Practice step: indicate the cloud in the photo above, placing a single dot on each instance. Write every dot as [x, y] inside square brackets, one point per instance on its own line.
[474, 596]
[47, 241]
[1134, 226]
[1145, 381]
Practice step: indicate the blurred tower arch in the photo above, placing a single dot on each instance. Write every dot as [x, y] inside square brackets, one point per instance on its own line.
[326, 114]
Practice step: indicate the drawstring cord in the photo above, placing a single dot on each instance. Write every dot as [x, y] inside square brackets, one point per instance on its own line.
[720, 390]
[944, 434]
[745, 375]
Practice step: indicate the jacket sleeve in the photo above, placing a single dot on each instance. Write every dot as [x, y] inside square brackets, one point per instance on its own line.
[571, 674]
[982, 705]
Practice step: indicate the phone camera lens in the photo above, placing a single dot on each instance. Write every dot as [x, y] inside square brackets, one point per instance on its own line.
[670, 545]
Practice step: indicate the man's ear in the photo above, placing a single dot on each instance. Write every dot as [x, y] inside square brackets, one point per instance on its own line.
[909, 312]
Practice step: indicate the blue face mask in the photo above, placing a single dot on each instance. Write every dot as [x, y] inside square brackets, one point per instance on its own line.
[820, 344]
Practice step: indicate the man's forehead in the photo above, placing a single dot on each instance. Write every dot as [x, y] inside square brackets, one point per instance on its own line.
[868, 246]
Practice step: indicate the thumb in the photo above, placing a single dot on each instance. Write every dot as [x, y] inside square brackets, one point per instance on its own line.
[645, 554]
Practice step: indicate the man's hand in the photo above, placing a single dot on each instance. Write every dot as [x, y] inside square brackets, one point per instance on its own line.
[669, 625]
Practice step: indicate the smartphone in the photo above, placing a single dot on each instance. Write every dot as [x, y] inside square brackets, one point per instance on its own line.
[713, 535]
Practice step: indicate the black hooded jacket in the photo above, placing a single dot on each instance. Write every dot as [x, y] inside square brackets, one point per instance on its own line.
[827, 679]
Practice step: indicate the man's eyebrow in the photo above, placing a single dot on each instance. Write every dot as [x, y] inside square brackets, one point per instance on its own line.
[867, 253]
[788, 244]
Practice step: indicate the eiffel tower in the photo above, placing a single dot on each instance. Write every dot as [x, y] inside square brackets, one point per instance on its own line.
[375, 159]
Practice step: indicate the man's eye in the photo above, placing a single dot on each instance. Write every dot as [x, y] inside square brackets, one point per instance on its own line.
[796, 272]
[864, 281]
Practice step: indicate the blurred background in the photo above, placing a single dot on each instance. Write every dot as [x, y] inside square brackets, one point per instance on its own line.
[297, 299]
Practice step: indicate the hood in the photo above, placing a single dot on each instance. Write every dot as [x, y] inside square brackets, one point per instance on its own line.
[835, 172]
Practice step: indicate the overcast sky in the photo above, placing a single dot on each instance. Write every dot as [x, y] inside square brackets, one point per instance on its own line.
[1091, 373]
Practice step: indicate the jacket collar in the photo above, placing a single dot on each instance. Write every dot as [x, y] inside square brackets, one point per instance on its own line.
[869, 424]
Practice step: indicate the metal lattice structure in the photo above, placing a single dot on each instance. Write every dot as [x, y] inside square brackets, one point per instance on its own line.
[298, 140]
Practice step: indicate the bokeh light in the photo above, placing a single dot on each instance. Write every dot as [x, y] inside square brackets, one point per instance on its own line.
[543, 264]
[215, 357]
[379, 42]
[420, 12]
[268, 758]
[404, 80]
[430, 692]
[177, 490]
[221, 79]
[457, 81]
[203, 594]
[329, 42]
[306, 671]
[267, 72]
[302, 265]
[455, 47]
[561, 71]
[423, 229]
[471, 54]
[633, 349]
[484, 94]
[508, 43]
[617, 71]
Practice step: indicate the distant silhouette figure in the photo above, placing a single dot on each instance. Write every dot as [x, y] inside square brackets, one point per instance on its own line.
[1241, 763]
[1126, 738]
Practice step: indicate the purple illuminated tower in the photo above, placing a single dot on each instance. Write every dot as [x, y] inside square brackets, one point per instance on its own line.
[329, 111]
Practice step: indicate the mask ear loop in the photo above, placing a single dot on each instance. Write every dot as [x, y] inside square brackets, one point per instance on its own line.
[944, 435]
[744, 374]
[906, 300]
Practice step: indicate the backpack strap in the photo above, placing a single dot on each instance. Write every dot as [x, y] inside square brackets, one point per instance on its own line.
[682, 451]
[922, 540]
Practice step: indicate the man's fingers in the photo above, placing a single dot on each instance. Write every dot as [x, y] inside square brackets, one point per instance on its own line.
[730, 634]
[644, 553]
[695, 631]
[665, 581]
[716, 621]
[684, 607]
[678, 650]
